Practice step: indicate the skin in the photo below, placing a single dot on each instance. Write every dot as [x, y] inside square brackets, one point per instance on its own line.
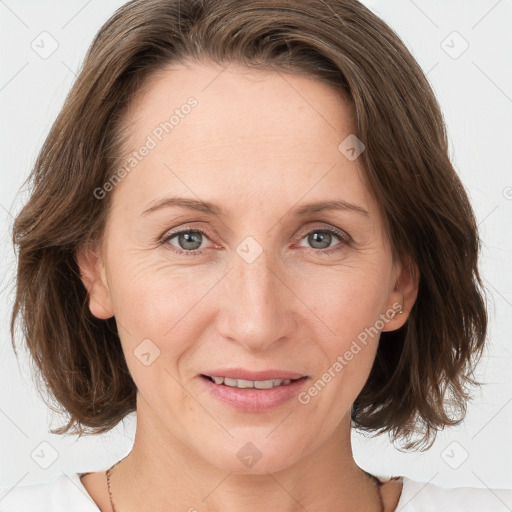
[259, 144]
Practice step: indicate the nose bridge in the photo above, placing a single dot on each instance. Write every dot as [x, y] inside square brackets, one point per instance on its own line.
[254, 313]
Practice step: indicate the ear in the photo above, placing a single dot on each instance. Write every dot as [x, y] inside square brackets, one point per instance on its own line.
[403, 295]
[93, 276]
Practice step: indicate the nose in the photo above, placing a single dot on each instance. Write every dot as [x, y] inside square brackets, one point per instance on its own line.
[256, 309]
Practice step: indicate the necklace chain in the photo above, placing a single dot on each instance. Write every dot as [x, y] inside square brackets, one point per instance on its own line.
[108, 483]
[109, 471]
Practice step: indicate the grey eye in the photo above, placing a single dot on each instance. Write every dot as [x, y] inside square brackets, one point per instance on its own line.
[320, 239]
[187, 240]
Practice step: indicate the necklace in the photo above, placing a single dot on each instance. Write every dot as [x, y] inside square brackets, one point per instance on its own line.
[378, 483]
[108, 482]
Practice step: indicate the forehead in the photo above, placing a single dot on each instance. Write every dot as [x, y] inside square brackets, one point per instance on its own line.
[265, 133]
[237, 102]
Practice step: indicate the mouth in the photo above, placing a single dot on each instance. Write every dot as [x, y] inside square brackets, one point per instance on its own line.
[250, 384]
[252, 396]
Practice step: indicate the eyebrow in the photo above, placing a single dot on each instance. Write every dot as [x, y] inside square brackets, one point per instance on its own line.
[213, 209]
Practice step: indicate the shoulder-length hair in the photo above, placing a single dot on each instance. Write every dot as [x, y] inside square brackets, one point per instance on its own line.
[421, 371]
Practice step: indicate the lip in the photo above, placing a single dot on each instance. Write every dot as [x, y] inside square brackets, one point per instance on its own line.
[252, 399]
[241, 373]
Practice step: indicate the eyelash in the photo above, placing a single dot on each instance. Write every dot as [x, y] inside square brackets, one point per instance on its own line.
[345, 240]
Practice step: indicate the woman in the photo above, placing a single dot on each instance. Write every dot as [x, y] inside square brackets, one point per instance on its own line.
[245, 227]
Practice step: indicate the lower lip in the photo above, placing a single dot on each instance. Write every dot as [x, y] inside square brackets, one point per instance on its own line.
[252, 399]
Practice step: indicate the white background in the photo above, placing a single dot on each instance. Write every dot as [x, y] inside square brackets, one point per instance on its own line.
[475, 92]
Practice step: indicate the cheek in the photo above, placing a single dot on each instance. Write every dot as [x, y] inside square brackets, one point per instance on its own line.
[346, 309]
[159, 301]
[345, 299]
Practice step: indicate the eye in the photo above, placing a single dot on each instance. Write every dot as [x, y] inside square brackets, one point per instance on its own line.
[320, 240]
[189, 241]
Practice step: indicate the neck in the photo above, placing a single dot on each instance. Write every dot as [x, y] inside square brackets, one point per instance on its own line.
[182, 479]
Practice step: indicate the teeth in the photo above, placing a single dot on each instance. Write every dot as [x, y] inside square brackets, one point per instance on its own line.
[258, 384]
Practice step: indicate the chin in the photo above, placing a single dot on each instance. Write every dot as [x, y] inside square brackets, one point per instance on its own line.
[255, 455]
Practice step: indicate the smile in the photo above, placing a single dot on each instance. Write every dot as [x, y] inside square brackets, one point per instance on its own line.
[253, 396]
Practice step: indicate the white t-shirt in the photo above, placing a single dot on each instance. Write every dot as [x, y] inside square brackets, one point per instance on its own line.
[66, 493]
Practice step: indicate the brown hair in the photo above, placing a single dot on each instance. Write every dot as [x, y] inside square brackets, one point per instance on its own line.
[427, 214]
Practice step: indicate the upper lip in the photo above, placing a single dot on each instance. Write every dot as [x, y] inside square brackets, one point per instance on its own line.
[240, 373]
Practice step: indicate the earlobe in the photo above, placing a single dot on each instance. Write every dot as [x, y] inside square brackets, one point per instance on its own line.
[403, 297]
[92, 274]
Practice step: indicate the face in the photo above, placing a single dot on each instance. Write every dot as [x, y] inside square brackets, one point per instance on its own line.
[255, 283]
